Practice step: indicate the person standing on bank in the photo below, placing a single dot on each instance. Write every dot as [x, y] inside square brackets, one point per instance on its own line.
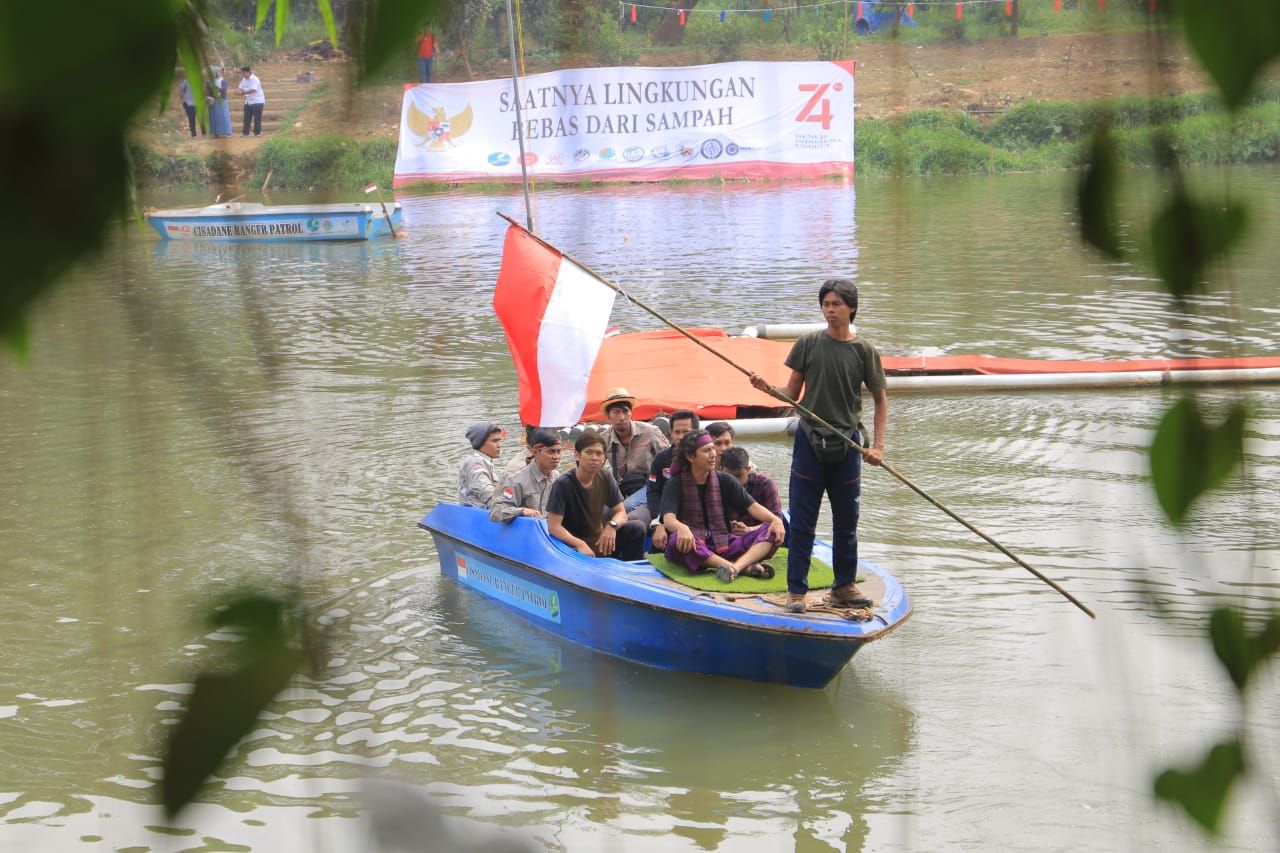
[219, 112]
[189, 105]
[250, 89]
[831, 367]
[427, 45]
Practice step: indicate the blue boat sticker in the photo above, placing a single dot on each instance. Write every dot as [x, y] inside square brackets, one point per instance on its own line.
[509, 589]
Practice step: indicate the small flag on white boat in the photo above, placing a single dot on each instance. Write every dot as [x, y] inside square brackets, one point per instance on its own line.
[370, 188]
[555, 314]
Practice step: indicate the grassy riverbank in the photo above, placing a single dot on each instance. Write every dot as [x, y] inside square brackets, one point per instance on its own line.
[1029, 137]
[953, 106]
[1049, 136]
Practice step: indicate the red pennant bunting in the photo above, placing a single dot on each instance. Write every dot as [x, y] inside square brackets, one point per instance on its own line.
[859, 10]
[1008, 8]
[911, 10]
[959, 11]
[682, 17]
[633, 14]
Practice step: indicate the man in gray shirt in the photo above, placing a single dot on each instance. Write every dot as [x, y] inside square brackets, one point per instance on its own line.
[525, 492]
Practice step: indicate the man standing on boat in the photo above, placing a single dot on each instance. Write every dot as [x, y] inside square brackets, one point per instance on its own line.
[476, 479]
[630, 447]
[578, 501]
[526, 491]
[831, 366]
[683, 422]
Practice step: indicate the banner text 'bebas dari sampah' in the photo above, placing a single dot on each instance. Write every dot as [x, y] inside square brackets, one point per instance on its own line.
[733, 120]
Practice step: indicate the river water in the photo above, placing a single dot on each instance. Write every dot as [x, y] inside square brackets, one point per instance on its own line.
[193, 419]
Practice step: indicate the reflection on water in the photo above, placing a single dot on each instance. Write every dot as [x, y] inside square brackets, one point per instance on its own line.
[195, 417]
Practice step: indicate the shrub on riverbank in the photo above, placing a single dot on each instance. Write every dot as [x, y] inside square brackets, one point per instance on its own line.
[1047, 136]
[332, 162]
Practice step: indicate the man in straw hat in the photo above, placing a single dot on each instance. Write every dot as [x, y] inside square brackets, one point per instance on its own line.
[630, 447]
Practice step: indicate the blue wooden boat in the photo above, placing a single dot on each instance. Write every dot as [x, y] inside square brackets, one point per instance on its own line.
[633, 611]
[248, 222]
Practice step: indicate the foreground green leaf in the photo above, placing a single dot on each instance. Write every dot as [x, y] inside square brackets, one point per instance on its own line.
[1187, 236]
[1190, 457]
[1240, 652]
[66, 172]
[1202, 791]
[224, 706]
[1234, 40]
[1096, 194]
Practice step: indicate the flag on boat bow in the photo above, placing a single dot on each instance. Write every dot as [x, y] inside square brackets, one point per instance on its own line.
[554, 314]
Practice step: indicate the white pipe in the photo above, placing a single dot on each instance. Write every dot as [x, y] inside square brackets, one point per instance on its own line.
[1128, 378]
[764, 426]
[781, 331]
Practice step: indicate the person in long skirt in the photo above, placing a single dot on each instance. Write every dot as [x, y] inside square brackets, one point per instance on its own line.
[219, 111]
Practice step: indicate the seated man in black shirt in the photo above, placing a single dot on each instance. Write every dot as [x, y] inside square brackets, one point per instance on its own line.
[577, 503]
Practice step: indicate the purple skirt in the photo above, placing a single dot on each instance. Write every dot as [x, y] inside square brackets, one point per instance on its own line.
[738, 545]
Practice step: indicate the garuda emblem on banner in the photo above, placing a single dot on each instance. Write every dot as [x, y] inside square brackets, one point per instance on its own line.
[437, 130]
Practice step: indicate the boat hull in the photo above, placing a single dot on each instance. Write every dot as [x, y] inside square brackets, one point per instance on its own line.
[236, 222]
[631, 611]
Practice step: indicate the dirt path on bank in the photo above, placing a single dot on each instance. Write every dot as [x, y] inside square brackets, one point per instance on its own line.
[984, 78]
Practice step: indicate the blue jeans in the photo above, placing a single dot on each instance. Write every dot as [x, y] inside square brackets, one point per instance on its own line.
[842, 483]
[424, 69]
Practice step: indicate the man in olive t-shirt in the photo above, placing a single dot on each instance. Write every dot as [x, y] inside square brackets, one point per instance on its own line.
[831, 367]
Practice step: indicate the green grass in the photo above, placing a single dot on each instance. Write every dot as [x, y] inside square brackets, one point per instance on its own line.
[1051, 135]
[821, 576]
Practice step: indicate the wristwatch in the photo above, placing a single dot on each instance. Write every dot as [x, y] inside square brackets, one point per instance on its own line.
[613, 524]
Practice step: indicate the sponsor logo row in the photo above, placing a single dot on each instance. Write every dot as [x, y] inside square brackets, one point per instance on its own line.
[710, 149]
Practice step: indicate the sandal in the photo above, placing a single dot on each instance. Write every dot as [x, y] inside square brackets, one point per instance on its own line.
[763, 571]
[726, 574]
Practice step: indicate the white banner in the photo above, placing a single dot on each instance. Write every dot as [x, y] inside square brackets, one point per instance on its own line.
[732, 120]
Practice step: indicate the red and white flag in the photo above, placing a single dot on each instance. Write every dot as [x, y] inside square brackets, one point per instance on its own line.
[370, 188]
[555, 314]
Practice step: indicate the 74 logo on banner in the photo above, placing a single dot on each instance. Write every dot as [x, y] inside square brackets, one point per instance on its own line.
[818, 107]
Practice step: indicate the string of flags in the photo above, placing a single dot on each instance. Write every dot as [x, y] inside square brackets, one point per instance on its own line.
[767, 12]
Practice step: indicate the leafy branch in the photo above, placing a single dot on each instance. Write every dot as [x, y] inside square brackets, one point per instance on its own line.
[1191, 456]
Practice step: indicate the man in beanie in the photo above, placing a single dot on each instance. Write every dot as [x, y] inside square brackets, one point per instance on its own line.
[476, 479]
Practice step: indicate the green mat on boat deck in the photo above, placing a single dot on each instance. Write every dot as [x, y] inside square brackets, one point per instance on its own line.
[820, 575]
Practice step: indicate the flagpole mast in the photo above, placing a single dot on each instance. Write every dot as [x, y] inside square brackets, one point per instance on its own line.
[515, 85]
[817, 419]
